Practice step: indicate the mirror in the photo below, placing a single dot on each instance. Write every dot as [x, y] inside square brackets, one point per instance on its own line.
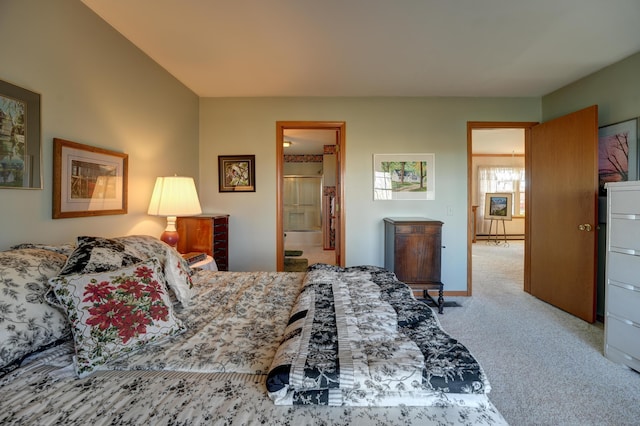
[20, 141]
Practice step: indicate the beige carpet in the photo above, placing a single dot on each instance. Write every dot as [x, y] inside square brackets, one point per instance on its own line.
[546, 367]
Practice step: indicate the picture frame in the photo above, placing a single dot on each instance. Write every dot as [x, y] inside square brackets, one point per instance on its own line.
[403, 177]
[236, 173]
[20, 138]
[88, 181]
[498, 206]
[617, 153]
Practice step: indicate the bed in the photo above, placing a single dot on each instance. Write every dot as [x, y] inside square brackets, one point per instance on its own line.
[122, 331]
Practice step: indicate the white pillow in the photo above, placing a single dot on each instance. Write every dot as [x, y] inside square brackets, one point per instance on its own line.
[176, 269]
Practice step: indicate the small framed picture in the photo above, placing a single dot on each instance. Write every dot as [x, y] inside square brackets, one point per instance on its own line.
[236, 173]
[88, 181]
[498, 205]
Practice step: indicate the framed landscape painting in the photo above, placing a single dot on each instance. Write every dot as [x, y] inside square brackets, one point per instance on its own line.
[404, 177]
[498, 206]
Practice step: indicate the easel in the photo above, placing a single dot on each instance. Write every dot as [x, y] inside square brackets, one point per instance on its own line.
[504, 232]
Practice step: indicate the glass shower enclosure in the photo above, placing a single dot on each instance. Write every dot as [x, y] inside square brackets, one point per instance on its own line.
[302, 209]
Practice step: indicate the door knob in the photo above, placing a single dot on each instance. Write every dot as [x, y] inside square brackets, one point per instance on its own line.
[584, 227]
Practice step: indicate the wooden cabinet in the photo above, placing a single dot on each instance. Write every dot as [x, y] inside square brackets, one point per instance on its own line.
[208, 233]
[622, 284]
[412, 250]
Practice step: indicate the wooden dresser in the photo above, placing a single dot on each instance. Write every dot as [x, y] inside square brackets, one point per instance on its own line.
[622, 284]
[207, 233]
[412, 250]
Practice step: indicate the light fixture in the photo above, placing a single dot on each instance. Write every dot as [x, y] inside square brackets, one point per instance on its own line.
[286, 144]
[174, 196]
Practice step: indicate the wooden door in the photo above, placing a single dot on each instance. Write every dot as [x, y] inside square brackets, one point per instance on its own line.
[338, 207]
[562, 212]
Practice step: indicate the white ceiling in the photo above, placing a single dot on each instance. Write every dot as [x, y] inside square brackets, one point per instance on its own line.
[497, 141]
[308, 141]
[224, 48]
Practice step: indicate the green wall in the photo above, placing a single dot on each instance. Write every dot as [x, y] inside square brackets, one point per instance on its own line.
[615, 89]
[230, 126]
[98, 89]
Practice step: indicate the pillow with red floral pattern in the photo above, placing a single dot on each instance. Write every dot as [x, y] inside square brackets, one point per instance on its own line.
[115, 312]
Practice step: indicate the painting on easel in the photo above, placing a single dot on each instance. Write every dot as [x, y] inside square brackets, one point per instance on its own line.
[498, 205]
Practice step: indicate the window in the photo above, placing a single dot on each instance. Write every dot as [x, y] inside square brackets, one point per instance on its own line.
[502, 179]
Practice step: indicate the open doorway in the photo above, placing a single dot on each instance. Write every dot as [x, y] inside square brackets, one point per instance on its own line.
[310, 195]
[496, 171]
[498, 167]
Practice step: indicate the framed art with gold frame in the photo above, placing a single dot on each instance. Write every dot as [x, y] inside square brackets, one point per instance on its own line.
[88, 181]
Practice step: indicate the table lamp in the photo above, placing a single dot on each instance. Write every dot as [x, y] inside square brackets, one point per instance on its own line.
[174, 196]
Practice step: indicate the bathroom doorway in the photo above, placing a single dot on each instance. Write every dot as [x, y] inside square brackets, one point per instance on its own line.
[310, 225]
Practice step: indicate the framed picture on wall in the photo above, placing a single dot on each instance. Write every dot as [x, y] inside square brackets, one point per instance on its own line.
[617, 153]
[498, 205]
[20, 146]
[88, 181]
[404, 177]
[236, 173]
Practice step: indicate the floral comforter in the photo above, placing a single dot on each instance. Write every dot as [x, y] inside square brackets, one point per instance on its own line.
[235, 325]
[357, 337]
[215, 373]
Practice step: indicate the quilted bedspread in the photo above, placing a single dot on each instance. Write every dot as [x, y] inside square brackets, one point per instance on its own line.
[213, 374]
[357, 337]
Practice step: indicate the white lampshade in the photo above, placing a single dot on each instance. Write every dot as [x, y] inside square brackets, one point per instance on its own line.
[174, 196]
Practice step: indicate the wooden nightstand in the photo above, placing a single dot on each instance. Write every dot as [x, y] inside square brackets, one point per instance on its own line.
[207, 233]
[412, 250]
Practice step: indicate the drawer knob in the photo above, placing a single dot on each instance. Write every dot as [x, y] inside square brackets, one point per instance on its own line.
[584, 227]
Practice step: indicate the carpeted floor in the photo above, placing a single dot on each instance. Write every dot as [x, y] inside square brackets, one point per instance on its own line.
[546, 367]
[447, 303]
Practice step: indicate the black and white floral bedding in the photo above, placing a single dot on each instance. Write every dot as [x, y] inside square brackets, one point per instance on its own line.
[40, 394]
[27, 322]
[214, 372]
[235, 325]
[357, 337]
